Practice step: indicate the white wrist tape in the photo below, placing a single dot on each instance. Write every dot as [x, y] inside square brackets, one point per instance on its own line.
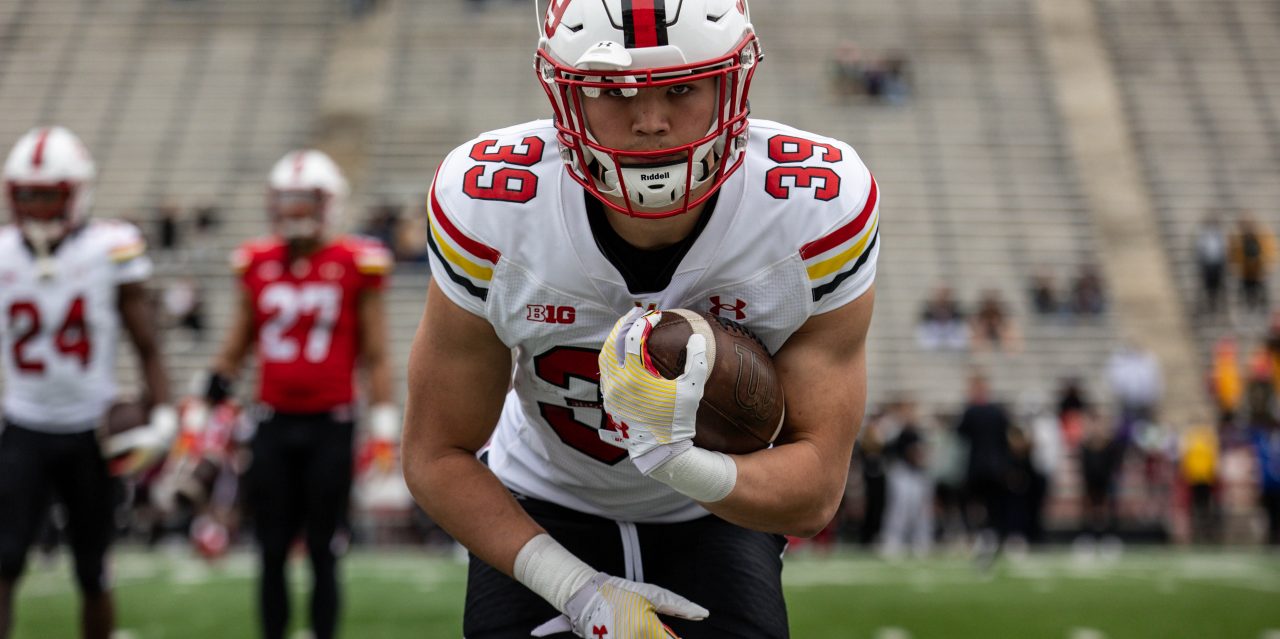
[700, 474]
[547, 568]
[384, 422]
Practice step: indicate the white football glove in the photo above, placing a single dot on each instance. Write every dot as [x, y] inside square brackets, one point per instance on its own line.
[652, 417]
[614, 608]
[136, 450]
[595, 605]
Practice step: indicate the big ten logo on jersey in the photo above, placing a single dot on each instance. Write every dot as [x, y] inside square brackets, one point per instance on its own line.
[728, 307]
[299, 320]
[551, 314]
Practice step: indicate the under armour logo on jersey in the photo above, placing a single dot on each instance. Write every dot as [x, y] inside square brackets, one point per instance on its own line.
[720, 308]
[600, 631]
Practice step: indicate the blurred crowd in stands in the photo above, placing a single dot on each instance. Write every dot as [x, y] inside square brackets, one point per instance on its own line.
[1001, 473]
[882, 78]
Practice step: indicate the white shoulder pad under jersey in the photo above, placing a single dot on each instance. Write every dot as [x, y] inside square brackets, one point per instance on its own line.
[61, 329]
[793, 234]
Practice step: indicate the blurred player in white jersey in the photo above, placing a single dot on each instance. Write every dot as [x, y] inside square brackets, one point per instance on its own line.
[68, 284]
[650, 189]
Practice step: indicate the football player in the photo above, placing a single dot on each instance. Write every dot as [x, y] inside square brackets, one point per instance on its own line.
[68, 283]
[650, 189]
[311, 305]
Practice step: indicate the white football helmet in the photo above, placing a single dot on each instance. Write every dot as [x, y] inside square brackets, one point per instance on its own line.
[307, 174]
[591, 45]
[49, 179]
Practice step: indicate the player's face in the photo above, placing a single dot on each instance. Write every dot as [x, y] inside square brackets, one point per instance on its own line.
[298, 214]
[39, 203]
[654, 119]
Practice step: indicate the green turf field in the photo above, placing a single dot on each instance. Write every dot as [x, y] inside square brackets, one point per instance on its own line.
[1144, 594]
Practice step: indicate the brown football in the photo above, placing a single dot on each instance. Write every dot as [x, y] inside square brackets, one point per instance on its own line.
[742, 404]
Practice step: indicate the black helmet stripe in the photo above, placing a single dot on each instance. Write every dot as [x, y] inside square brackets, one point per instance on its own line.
[644, 23]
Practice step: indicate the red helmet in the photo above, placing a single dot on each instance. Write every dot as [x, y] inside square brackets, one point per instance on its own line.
[589, 46]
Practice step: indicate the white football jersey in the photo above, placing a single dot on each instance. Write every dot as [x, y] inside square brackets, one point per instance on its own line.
[59, 332]
[793, 234]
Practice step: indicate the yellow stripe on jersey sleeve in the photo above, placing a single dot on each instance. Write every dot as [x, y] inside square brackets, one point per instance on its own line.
[470, 268]
[838, 261]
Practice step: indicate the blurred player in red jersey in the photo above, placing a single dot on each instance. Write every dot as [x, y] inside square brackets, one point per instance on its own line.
[311, 301]
[68, 285]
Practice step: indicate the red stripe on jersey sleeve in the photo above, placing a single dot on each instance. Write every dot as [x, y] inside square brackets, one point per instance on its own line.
[487, 253]
[846, 232]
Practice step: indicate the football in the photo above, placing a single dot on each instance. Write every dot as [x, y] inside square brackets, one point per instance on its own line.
[742, 405]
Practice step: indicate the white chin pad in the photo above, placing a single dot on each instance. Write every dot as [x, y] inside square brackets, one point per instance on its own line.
[654, 187]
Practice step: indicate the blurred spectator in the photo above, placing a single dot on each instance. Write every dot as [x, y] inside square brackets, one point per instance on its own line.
[1252, 251]
[1260, 393]
[1199, 471]
[1044, 433]
[207, 220]
[184, 305]
[1044, 298]
[1211, 261]
[992, 328]
[985, 426]
[1266, 444]
[1272, 344]
[1087, 295]
[382, 222]
[208, 217]
[847, 67]
[1072, 397]
[411, 239]
[896, 85]
[869, 454]
[166, 220]
[942, 323]
[1021, 483]
[1134, 374]
[884, 79]
[361, 8]
[908, 522]
[1226, 385]
[1101, 454]
[948, 466]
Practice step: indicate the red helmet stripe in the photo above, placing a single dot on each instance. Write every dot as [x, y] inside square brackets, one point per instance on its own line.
[644, 23]
[37, 156]
[299, 161]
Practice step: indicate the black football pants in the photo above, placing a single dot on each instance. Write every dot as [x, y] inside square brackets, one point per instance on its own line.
[733, 572]
[300, 481]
